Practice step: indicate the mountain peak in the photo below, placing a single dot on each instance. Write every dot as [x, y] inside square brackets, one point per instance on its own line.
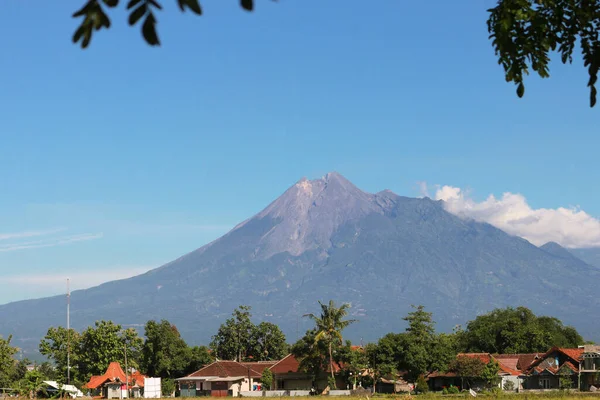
[309, 212]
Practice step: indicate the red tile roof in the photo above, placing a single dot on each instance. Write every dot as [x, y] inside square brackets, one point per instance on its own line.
[227, 369]
[259, 366]
[288, 364]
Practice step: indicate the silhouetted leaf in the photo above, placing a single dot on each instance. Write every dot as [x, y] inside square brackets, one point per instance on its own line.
[593, 96]
[136, 14]
[149, 31]
[155, 4]
[520, 90]
[78, 33]
[85, 9]
[191, 4]
[247, 4]
[133, 3]
[111, 3]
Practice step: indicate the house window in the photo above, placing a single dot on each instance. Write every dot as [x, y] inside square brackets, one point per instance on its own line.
[544, 383]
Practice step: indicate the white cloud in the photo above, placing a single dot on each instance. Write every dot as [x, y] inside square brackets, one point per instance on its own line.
[50, 242]
[81, 279]
[28, 234]
[570, 227]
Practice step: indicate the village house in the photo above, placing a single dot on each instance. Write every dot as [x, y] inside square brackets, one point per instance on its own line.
[230, 378]
[440, 380]
[114, 384]
[288, 376]
[223, 378]
[557, 368]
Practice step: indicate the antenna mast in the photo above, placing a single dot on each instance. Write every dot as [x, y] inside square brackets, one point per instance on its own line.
[68, 334]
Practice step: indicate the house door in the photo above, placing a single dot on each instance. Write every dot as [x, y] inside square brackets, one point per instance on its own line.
[544, 383]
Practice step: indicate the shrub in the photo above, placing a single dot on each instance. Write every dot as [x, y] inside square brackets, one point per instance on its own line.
[421, 385]
[445, 391]
[453, 390]
[509, 386]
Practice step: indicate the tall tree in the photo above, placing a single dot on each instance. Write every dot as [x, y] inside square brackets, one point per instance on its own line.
[419, 339]
[164, 353]
[329, 326]
[56, 344]
[517, 330]
[104, 343]
[240, 339]
[199, 357]
[267, 342]
[7, 361]
[310, 354]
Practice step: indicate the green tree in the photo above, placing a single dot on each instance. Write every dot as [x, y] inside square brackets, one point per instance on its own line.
[329, 326]
[490, 374]
[104, 343]
[167, 387]
[32, 384]
[55, 345]
[421, 385]
[467, 368]
[267, 342]
[164, 353]
[524, 32]
[47, 370]
[267, 379]
[309, 353]
[7, 361]
[565, 379]
[199, 357]
[418, 340]
[517, 330]
[232, 341]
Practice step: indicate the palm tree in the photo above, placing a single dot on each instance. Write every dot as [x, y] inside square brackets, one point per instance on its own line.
[329, 326]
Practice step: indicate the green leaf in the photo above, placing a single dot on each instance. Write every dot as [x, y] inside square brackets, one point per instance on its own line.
[149, 31]
[191, 4]
[136, 14]
[78, 33]
[111, 3]
[520, 90]
[247, 5]
[155, 4]
[133, 3]
[85, 9]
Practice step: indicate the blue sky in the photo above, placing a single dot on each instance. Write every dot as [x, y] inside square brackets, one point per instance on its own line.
[122, 157]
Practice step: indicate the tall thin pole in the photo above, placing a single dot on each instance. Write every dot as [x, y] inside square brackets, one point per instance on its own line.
[126, 371]
[68, 333]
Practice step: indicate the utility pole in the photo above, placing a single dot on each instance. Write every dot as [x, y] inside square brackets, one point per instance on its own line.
[68, 334]
[126, 371]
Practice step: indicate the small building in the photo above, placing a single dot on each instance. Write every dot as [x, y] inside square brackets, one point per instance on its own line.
[114, 384]
[287, 375]
[589, 368]
[220, 379]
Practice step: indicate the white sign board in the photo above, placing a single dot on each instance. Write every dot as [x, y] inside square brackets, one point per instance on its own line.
[152, 388]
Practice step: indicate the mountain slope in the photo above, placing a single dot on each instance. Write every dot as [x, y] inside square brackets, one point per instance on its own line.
[589, 255]
[326, 239]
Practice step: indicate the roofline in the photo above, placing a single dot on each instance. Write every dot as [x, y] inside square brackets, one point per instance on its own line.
[277, 363]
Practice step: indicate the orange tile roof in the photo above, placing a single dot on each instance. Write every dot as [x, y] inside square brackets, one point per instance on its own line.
[115, 373]
[573, 354]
